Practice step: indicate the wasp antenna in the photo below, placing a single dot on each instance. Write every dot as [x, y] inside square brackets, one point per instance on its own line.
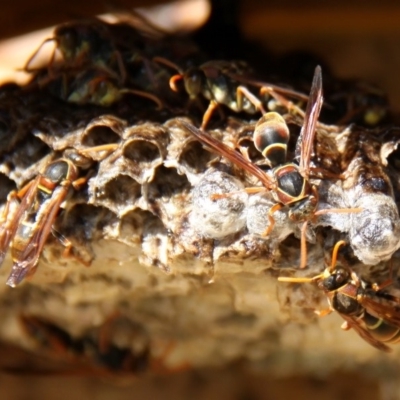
[102, 147]
[173, 80]
[335, 254]
[168, 63]
[146, 95]
[294, 279]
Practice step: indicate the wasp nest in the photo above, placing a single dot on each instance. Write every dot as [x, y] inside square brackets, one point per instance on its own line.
[160, 231]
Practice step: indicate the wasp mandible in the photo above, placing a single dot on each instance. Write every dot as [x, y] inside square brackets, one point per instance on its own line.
[86, 43]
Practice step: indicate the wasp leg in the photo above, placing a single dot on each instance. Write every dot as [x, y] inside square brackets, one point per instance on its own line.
[388, 281]
[303, 246]
[323, 313]
[271, 219]
[291, 107]
[338, 211]
[78, 183]
[345, 326]
[252, 190]
[109, 148]
[241, 92]
[68, 251]
[207, 115]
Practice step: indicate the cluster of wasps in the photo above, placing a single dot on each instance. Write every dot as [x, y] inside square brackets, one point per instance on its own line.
[115, 65]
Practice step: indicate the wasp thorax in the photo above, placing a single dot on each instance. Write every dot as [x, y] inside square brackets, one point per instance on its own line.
[290, 183]
[345, 304]
[271, 136]
[59, 170]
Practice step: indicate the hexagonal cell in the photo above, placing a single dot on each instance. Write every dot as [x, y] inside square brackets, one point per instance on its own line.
[151, 132]
[194, 157]
[85, 221]
[119, 193]
[82, 224]
[103, 130]
[132, 226]
[166, 184]
[157, 245]
[141, 151]
[167, 195]
[186, 153]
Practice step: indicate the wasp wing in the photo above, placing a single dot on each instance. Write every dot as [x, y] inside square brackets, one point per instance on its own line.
[364, 333]
[28, 258]
[11, 219]
[241, 72]
[382, 306]
[305, 142]
[236, 158]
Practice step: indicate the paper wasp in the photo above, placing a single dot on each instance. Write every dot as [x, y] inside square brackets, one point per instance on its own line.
[288, 183]
[374, 315]
[86, 43]
[28, 216]
[227, 83]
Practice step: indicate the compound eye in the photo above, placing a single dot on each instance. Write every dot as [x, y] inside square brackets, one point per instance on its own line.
[342, 276]
[193, 79]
